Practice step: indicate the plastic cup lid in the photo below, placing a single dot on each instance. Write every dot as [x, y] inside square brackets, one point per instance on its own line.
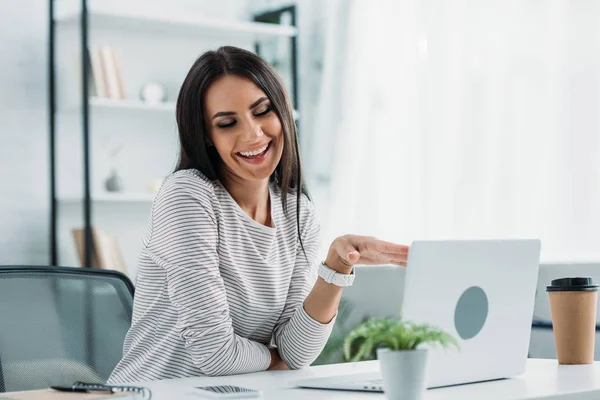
[579, 284]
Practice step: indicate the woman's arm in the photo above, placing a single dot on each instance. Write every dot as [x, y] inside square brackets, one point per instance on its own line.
[345, 252]
[184, 242]
[299, 337]
[312, 303]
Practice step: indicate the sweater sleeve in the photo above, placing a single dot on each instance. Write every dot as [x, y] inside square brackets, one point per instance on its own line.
[184, 242]
[299, 338]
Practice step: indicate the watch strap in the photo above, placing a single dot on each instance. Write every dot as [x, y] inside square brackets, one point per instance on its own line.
[333, 277]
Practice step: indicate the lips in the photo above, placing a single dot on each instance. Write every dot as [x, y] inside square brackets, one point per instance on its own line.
[256, 158]
[257, 152]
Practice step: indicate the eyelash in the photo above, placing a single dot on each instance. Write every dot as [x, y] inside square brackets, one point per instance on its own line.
[262, 114]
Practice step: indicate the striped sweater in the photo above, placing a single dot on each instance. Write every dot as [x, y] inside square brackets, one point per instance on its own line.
[215, 288]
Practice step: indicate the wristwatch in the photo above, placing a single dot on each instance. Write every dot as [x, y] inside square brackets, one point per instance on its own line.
[331, 276]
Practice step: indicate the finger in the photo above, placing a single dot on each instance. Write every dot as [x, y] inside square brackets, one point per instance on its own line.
[398, 260]
[402, 264]
[384, 258]
[395, 260]
[378, 258]
[382, 262]
[353, 257]
[390, 248]
[375, 245]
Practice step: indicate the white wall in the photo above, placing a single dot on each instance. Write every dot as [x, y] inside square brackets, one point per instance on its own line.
[24, 173]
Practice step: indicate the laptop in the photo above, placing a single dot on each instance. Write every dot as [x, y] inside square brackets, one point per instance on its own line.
[480, 291]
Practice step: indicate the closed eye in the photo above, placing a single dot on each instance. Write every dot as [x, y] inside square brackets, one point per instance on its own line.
[232, 123]
[225, 126]
[267, 110]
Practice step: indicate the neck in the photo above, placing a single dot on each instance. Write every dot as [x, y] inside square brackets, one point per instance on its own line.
[252, 197]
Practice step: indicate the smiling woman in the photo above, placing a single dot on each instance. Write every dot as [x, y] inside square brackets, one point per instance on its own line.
[228, 264]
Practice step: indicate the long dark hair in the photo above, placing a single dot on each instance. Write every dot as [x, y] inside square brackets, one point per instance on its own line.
[195, 151]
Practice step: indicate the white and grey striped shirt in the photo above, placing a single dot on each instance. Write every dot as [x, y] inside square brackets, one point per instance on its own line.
[214, 287]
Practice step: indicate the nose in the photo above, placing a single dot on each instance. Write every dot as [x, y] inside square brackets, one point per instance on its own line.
[253, 131]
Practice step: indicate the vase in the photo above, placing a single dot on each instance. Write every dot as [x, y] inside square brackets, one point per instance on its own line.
[113, 182]
[403, 373]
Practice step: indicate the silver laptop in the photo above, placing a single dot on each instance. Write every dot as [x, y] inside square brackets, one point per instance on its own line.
[480, 291]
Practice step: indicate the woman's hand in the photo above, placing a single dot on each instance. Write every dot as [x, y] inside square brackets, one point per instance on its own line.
[349, 250]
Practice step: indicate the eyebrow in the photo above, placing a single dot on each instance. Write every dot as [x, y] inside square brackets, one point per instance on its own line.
[228, 113]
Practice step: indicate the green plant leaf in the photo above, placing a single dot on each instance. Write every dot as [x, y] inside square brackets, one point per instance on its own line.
[393, 333]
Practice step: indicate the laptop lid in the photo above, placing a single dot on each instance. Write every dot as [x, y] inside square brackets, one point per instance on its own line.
[482, 292]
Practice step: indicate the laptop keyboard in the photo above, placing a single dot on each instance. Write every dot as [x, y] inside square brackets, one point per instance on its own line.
[372, 384]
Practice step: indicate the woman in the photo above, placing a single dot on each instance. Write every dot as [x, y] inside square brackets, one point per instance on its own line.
[228, 264]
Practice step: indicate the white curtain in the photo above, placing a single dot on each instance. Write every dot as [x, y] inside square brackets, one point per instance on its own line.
[462, 119]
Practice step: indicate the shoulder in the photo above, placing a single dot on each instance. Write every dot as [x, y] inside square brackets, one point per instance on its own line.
[183, 189]
[187, 182]
[184, 206]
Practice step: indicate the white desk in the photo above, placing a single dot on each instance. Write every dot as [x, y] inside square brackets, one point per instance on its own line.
[543, 379]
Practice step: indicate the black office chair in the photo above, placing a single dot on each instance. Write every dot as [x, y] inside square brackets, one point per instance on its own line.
[61, 325]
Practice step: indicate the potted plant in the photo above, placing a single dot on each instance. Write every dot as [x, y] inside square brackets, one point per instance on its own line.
[396, 343]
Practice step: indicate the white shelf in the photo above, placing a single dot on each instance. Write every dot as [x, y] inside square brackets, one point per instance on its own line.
[174, 23]
[112, 198]
[100, 103]
[106, 104]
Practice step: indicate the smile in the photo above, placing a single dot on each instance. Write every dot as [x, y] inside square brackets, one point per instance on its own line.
[255, 153]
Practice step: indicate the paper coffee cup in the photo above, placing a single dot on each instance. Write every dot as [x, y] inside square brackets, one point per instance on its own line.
[573, 303]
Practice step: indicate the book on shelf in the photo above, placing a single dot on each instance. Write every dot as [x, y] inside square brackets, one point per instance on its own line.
[105, 75]
[119, 74]
[112, 73]
[106, 251]
[96, 74]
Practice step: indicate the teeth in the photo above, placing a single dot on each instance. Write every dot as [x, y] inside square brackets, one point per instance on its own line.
[255, 152]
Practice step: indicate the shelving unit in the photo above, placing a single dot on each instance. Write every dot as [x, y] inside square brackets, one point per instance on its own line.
[175, 23]
[156, 46]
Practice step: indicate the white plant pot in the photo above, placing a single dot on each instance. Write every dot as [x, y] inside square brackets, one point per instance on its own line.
[403, 373]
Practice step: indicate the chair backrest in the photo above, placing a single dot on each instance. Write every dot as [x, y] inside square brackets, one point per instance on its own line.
[60, 325]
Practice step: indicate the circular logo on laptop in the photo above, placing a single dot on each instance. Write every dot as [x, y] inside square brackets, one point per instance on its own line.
[471, 312]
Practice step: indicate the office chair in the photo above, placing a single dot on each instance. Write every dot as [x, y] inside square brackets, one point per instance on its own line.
[61, 325]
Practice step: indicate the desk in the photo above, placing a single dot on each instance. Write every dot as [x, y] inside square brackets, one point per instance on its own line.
[544, 379]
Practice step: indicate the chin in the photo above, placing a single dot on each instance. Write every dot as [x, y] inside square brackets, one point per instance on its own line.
[260, 175]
